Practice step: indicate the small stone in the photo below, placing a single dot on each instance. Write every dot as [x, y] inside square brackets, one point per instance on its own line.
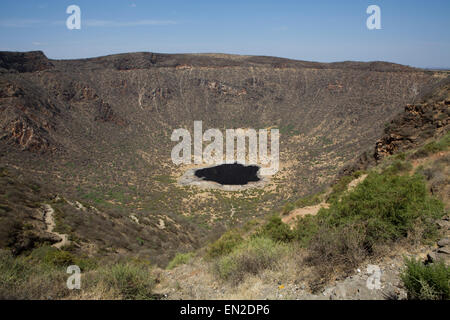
[444, 224]
[431, 257]
[445, 250]
[444, 242]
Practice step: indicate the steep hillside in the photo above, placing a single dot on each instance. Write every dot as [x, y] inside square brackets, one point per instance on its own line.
[97, 131]
[428, 118]
[333, 245]
[387, 213]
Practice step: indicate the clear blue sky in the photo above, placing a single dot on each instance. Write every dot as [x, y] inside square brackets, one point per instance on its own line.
[413, 32]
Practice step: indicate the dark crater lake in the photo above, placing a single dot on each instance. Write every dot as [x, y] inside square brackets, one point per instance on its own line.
[229, 174]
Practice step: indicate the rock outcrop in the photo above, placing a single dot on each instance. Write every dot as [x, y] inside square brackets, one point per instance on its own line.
[442, 250]
[415, 125]
[24, 62]
[429, 118]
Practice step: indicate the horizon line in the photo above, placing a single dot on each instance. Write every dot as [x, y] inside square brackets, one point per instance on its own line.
[438, 68]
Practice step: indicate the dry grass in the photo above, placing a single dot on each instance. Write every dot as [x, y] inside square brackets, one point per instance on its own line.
[42, 275]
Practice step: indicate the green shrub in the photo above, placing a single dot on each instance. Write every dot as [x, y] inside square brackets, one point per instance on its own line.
[388, 205]
[53, 257]
[276, 230]
[397, 167]
[309, 200]
[307, 227]
[13, 271]
[42, 275]
[400, 156]
[434, 147]
[224, 245]
[426, 282]
[357, 174]
[21, 278]
[288, 207]
[131, 281]
[179, 259]
[380, 210]
[60, 258]
[140, 241]
[250, 225]
[339, 188]
[251, 257]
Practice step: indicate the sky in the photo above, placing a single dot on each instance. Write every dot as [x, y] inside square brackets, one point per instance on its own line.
[415, 33]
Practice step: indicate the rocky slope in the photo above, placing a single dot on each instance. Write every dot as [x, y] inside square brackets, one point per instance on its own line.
[426, 119]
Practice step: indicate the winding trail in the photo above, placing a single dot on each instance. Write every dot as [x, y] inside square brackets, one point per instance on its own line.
[50, 222]
[291, 218]
[301, 212]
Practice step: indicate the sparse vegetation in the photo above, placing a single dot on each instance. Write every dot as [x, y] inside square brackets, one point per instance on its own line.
[434, 147]
[288, 207]
[384, 208]
[398, 166]
[276, 230]
[426, 282]
[179, 259]
[309, 200]
[131, 281]
[225, 244]
[387, 205]
[42, 275]
[250, 257]
[340, 187]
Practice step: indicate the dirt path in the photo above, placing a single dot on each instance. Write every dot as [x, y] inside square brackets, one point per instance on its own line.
[301, 212]
[50, 222]
[355, 182]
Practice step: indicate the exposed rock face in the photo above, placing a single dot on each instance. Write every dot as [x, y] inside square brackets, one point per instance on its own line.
[105, 113]
[22, 133]
[10, 90]
[442, 252]
[28, 119]
[418, 122]
[143, 89]
[24, 61]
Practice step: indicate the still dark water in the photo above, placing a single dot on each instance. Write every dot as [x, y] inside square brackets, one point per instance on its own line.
[229, 174]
